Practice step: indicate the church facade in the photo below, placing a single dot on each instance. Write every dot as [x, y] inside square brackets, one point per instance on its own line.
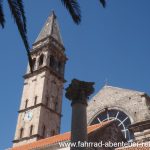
[113, 114]
[130, 108]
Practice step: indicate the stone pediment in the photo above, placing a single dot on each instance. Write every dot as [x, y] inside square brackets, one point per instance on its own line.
[131, 102]
[114, 93]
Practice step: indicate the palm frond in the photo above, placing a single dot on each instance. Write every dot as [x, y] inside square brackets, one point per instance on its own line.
[21, 6]
[2, 18]
[74, 9]
[103, 2]
[17, 15]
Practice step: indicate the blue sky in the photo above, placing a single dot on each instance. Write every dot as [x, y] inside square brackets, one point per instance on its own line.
[111, 43]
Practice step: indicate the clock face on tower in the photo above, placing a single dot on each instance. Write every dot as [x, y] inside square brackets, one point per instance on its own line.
[28, 116]
[121, 118]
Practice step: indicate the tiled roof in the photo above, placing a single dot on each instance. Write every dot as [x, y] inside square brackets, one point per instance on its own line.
[57, 138]
[145, 146]
[134, 148]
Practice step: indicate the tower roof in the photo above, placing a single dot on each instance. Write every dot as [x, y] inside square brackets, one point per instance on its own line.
[51, 28]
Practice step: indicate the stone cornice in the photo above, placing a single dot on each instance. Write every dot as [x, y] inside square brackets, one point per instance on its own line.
[144, 140]
[140, 126]
[40, 105]
[27, 138]
[45, 68]
[46, 47]
[50, 40]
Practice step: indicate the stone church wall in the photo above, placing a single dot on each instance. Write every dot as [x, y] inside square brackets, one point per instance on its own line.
[111, 133]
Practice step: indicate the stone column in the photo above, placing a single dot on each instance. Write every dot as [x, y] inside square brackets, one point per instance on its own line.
[78, 92]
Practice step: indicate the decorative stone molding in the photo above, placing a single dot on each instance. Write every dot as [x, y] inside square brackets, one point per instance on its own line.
[40, 105]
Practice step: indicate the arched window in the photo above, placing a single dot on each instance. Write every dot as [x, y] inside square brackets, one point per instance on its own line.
[47, 101]
[52, 61]
[21, 132]
[51, 102]
[53, 133]
[43, 131]
[31, 130]
[56, 106]
[123, 121]
[26, 103]
[34, 63]
[60, 67]
[35, 100]
[54, 88]
[41, 60]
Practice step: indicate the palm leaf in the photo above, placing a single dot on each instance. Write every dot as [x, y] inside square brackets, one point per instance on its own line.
[21, 6]
[2, 18]
[17, 15]
[103, 2]
[74, 9]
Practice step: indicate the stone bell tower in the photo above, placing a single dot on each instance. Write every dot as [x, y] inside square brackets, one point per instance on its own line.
[41, 104]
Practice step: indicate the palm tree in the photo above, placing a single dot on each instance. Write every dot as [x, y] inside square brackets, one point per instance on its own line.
[74, 9]
[18, 13]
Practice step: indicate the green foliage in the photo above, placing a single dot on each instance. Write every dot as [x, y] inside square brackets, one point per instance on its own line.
[17, 11]
[74, 9]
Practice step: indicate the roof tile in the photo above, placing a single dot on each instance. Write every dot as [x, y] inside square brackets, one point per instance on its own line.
[57, 138]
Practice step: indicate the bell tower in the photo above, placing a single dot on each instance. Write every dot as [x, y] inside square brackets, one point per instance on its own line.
[41, 104]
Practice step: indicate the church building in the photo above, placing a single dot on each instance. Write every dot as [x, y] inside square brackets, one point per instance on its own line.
[113, 114]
